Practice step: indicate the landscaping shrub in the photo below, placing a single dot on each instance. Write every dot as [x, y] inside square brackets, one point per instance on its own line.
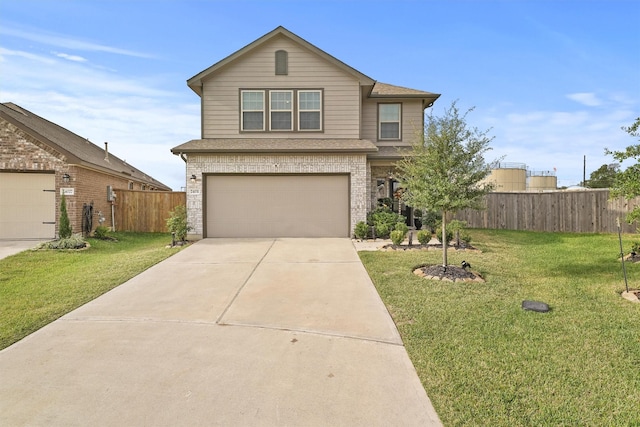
[65, 226]
[397, 236]
[362, 230]
[384, 220]
[382, 230]
[424, 236]
[101, 232]
[177, 223]
[401, 226]
[73, 242]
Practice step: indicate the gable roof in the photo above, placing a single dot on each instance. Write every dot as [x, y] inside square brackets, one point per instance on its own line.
[195, 82]
[76, 149]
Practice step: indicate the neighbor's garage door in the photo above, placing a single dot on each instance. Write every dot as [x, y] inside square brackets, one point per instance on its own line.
[27, 206]
[277, 206]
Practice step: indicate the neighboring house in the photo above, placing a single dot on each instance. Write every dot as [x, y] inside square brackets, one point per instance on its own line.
[295, 143]
[39, 161]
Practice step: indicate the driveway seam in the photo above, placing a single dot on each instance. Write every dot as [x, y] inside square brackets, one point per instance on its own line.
[255, 267]
[312, 332]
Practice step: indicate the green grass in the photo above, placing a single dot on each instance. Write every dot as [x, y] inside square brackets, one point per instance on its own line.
[37, 287]
[483, 360]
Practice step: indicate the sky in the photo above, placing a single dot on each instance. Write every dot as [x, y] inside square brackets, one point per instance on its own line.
[552, 80]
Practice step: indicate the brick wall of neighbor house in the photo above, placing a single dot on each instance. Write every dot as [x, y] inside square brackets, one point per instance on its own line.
[19, 152]
[91, 186]
[354, 164]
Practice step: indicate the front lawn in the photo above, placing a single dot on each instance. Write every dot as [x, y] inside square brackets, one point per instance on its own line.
[483, 360]
[37, 287]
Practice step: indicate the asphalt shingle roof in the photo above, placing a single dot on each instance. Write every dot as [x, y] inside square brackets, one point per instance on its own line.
[76, 149]
[273, 145]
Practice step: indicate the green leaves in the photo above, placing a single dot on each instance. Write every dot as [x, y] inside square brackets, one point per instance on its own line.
[627, 182]
[447, 165]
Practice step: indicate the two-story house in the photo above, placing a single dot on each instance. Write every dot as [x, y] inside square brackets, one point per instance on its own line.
[295, 143]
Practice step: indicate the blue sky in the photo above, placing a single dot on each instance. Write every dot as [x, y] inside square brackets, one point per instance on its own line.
[553, 79]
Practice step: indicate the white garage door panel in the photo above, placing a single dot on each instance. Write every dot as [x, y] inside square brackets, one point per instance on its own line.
[27, 206]
[277, 206]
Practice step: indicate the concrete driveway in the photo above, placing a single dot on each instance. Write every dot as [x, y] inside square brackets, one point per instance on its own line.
[262, 332]
[12, 247]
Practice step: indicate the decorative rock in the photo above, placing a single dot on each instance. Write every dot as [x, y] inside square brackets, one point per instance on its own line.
[630, 296]
[537, 306]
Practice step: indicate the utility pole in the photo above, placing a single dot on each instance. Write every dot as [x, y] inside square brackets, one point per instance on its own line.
[584, 171]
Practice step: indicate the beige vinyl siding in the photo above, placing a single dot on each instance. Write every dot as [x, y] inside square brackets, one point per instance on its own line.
[412, 120]
[221, 92]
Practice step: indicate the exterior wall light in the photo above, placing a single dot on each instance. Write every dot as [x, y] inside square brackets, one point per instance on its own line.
[193, 178]
[66, 178]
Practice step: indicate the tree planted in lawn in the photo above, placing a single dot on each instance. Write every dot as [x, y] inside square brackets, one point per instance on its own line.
[627, 182]
[445, 169]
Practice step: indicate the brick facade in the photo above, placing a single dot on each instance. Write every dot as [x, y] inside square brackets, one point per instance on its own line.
[353, 164]
[20, 152]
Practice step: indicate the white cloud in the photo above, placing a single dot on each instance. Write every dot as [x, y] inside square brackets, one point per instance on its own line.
[139, 117]
[58, 40]
[585, 98]
[75, 58]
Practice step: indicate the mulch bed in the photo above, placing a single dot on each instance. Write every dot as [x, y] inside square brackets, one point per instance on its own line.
[449, 273]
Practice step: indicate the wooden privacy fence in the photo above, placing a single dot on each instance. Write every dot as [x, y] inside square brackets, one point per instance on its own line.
[145, 210]
[583, 211]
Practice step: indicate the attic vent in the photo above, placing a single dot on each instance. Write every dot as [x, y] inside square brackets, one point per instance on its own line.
[282, 63]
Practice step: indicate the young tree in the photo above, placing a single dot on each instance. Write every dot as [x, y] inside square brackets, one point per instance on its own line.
[604, 176]
[446, 168]
[627, 182]
[65, 226]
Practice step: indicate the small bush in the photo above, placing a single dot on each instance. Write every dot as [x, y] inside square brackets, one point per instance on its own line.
[74, 242]
[177, 223]
[424, 236]
[382, 230]
[362, 230]
[635, 247]
[397, 236]
[101, 232]
[383, 220]
[401, 226]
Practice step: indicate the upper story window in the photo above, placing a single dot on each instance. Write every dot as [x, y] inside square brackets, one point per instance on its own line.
[252, 106]
[281, 110]
[284, 110]
[389, 121]
[309, 110]
[282, 63]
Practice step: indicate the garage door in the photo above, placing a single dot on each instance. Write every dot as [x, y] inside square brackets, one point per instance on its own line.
[277, 206]
[27, 206]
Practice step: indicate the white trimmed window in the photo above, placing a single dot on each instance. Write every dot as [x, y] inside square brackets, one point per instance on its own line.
[281, 110]
[309, 110]
[389, 121]
[252, 109]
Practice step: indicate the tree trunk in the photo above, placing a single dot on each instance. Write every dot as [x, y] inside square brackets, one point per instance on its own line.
[445, 244]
